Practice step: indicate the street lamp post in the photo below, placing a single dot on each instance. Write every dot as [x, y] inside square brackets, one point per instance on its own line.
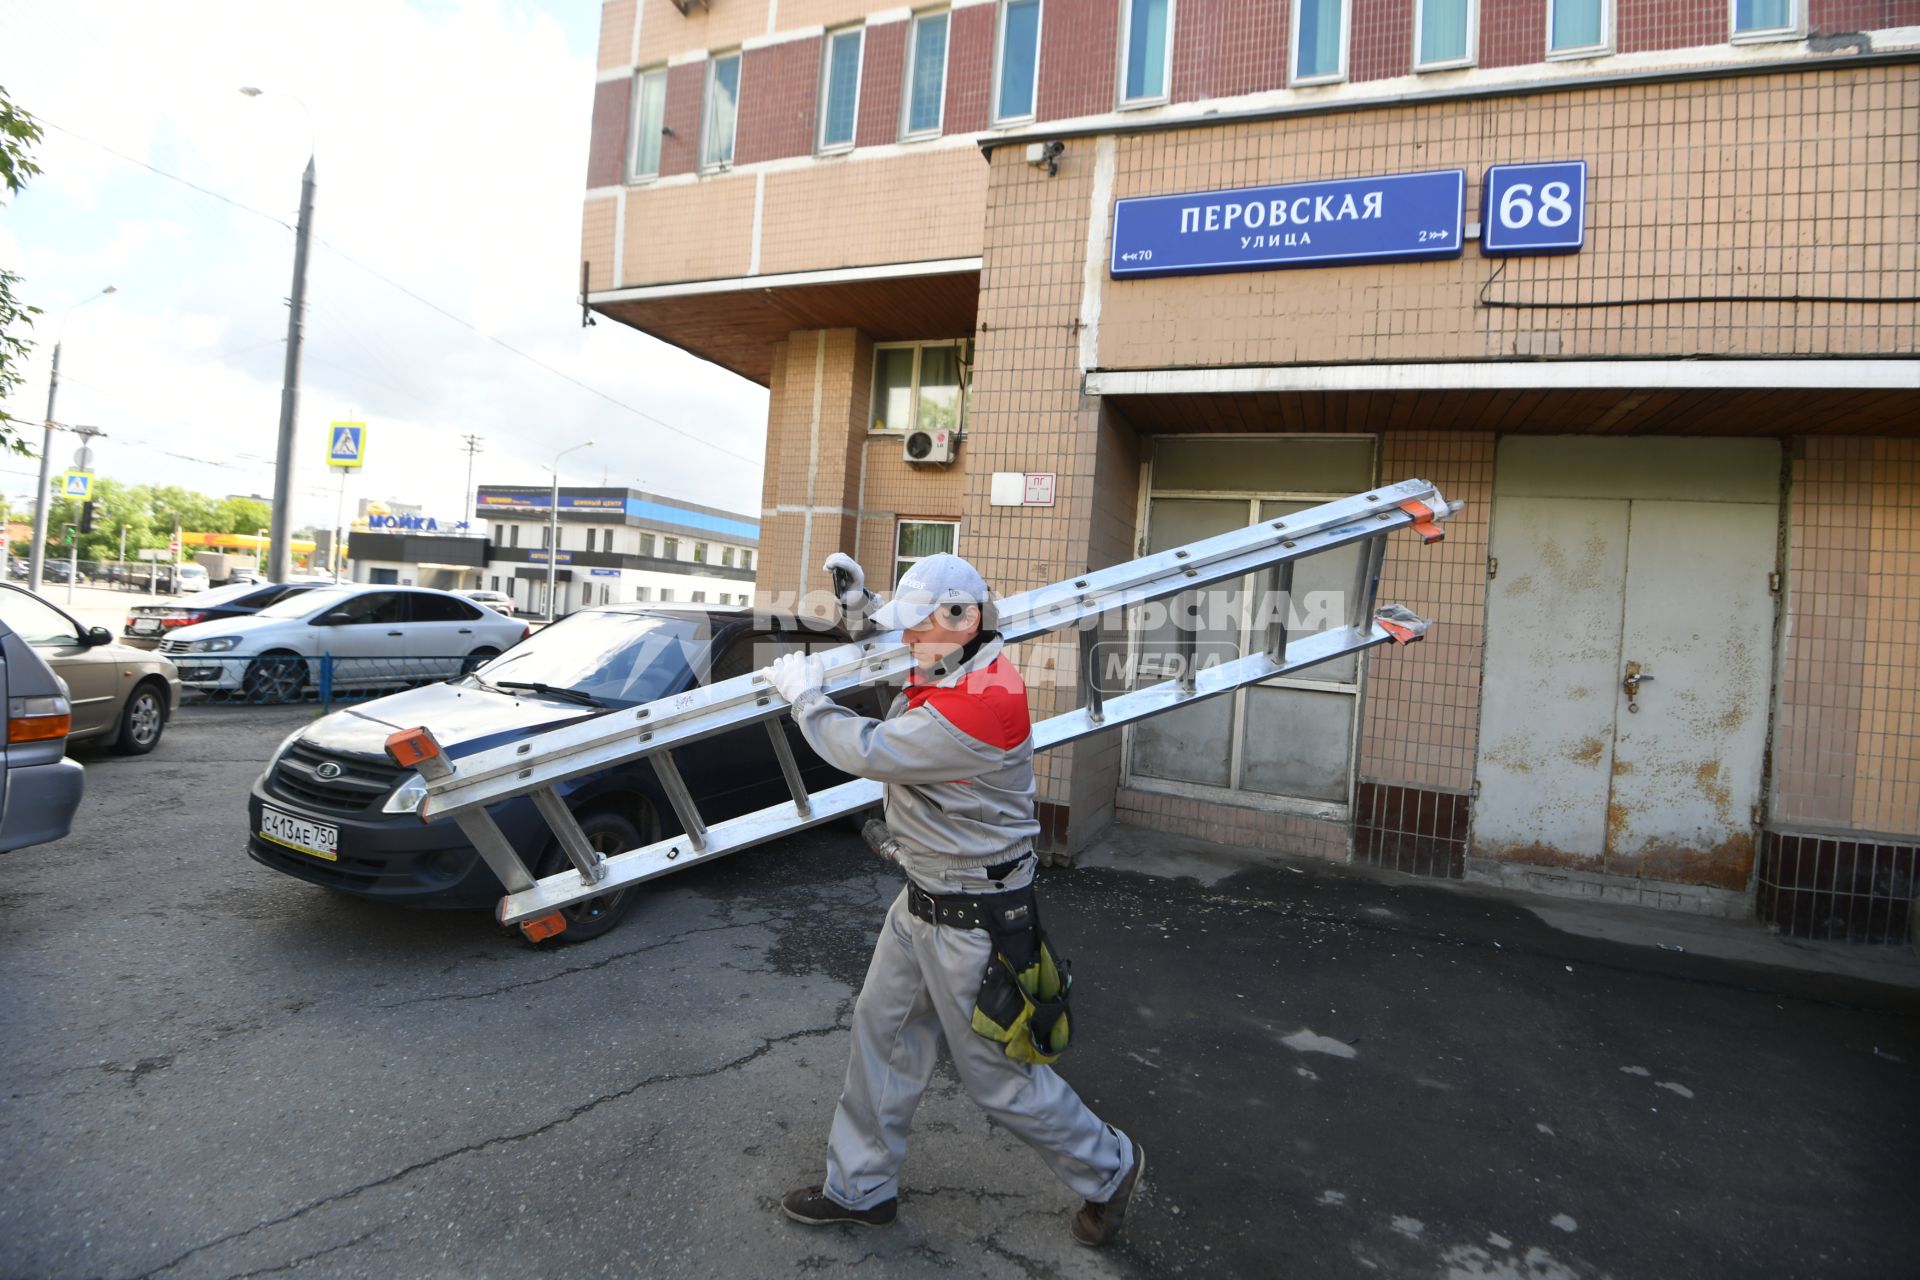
[280, 562]
[37, 554]
[553, 524]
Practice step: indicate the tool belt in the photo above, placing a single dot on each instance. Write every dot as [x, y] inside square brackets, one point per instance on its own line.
[1022, 1003]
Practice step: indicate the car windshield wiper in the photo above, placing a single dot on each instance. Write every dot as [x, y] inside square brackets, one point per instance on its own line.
[551, 690]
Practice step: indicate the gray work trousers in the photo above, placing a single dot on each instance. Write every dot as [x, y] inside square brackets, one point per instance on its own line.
[920, 988]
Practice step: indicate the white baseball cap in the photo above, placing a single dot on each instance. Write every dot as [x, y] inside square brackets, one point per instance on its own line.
[933, 583]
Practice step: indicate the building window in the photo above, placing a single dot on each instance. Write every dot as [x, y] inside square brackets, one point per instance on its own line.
[917, 539]
[643, 594]
[1319, 41]
[546, 537]
[926, 77]
[646, 544]
[1765, 19]
[513, 535]
[726, 557]
[1146, 51]
[670, 548]
[1443, 34]
[495, 580]
[1579, 28]
[746, 559]
[699, 597]
[840, 89]
[666, 595]
[649, 118]
[590, 534]
[723, 102]
[1016, 63]
[699, 553]
[917, 384]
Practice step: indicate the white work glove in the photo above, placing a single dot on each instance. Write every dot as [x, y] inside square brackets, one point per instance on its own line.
[855, 595]
[797, 674]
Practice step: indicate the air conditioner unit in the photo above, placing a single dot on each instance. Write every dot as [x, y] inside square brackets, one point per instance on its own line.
[928, 448]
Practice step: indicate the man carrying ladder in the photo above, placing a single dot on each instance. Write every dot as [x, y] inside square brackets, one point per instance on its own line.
[955, 753]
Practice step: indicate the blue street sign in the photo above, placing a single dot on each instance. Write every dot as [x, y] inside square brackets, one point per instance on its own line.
[346, 444]
[1534, 208]
[76, 484]
[1398, 217]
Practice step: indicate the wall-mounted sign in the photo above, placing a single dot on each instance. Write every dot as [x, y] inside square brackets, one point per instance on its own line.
[1022, 489]
[1534, 208]
[412, 523]
[1399, 217]
[540, 557]
[603, 573]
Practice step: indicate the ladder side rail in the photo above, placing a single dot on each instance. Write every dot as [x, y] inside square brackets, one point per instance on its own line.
[734, 834]
[487, 777]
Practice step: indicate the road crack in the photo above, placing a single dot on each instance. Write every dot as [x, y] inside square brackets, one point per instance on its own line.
[362, 1238]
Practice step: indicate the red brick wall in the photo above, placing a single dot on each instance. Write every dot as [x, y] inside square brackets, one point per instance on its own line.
[969, 68]
[1078, 58]
[779, 94]
[1381, 44]
[1512, 32]
[606, 149]
[1829, 16]
[1641, 25]
[882, 73]
[1227, 47]
[680, 148]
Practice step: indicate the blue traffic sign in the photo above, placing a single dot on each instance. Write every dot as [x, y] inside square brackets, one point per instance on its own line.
[1406, 217]
[77, 484]
[346, 444]
[1534, 208]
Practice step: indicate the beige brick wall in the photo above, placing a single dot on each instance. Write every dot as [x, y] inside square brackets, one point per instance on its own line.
[597, 221]
[616, 33]
[694, 231]
[1847, 740]
[1420, 724]
[859, 210]
[665, 31]
[1805, 183]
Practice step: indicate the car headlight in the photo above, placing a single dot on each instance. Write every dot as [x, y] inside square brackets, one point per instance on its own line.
[219, 644]
[407, 797]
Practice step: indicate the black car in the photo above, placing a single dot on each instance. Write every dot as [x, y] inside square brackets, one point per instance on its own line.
[52, 570]
[147, 624]
[331, 808]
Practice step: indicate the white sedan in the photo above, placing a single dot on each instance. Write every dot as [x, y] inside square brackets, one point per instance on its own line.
[346, 637]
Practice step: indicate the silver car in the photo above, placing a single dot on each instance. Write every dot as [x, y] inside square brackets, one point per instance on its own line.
[39, 787]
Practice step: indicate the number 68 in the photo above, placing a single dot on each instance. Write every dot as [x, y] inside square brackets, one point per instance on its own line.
[1517, 209]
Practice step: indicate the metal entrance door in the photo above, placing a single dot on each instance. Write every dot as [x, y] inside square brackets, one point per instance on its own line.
[1616, 560]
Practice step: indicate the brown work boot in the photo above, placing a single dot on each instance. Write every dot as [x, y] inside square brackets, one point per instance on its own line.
[813, 1206]
[1097, 1224]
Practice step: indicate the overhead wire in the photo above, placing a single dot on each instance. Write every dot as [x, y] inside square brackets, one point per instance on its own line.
[424, 301]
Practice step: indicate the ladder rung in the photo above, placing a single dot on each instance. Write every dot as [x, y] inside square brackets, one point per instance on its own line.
[681, 799]
[1089, 674]
[789, 767]
[478, 826]
[573, 841]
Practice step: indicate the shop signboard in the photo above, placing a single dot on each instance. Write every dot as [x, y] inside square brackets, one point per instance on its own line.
[1405, 217]
[1534, 208]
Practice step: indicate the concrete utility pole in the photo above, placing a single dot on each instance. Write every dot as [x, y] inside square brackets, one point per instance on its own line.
[553, 527]
[280, 548]
[37, 554]
[473, 447]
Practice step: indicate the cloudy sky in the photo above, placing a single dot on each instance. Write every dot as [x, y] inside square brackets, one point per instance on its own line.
[450, 140]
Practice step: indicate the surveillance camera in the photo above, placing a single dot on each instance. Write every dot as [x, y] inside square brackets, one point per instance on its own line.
[1046, 153]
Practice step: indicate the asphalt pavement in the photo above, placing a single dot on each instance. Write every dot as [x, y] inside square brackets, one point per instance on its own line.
[210, 1069]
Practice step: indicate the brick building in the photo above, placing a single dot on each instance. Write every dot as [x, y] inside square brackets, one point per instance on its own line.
[1685, 428]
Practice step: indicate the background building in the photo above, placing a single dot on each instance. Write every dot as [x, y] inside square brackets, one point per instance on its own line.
[1686, 434]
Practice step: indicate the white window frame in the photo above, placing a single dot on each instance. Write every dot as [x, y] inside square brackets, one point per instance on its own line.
[821, 147]
[1601, 50]
[634, 173]
[706, 111]
[999, 55]
[918, 349]
[1293, 46]
[906, 98]
[899, 527]
[1124, 103]
[1795, 29]
[1472, 55]
[669, 548]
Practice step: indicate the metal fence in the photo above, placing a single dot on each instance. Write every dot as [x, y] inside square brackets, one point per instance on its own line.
[154, 577]
[283, 679]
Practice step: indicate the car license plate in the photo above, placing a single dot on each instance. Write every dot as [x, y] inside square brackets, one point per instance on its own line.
[297, 833]
[145, 626]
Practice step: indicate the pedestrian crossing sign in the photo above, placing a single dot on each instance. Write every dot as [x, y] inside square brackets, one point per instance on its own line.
[77, 484]
[346, 444]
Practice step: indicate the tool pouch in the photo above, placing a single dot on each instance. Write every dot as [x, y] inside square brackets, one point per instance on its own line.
[1024, 990]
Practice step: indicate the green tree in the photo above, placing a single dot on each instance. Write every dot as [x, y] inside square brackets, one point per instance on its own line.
[18, 132]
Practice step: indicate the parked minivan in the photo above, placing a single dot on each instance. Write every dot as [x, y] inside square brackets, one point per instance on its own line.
[39, 787]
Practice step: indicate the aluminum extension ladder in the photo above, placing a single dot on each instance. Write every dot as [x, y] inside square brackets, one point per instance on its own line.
[462, 790]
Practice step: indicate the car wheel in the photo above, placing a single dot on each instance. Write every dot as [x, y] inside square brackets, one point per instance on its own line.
[142, 720]
[607, 833]
[478, 658]
[274, 677]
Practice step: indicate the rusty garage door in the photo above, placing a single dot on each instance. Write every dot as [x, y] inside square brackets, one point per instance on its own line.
[1618, 558]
